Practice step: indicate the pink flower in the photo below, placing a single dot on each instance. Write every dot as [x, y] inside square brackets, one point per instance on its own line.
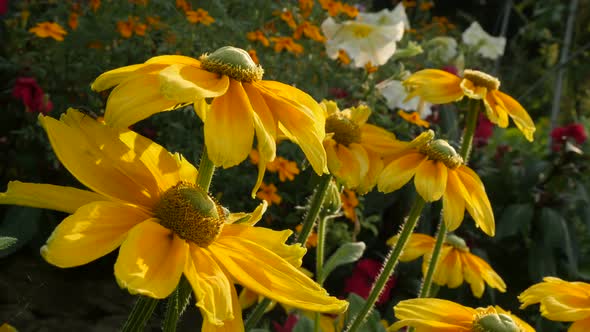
[483, 131]
[28, 90]
[574, 131]
[3, 7]
[288, 325]
[364, 274]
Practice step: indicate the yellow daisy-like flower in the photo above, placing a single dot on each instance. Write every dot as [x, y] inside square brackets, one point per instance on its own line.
[438, 172]
[441, 87]
[413, 117]
[49, 30]
[144, 201]
[456, 263]
[561, 301]
[243, 105]
[354, 147]
[436, 315]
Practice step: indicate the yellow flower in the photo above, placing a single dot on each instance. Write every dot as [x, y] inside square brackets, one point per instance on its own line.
[287, 169]
[144, 201]
[413, 117]
[456, 263]
[269, 194]
[49, 30]
[7, 328]
[438, 172]
[259, 36]
[561, 301]
[286, 43]
[354, 147]
[242, 104]
[441, 87]
[430, 315]
[199, 16]
[349, 204]
[73, 20]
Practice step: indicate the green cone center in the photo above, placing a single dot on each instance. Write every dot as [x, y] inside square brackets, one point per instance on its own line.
[441, 150]
[496, 323]
[233, 62]
[482, 79]
[345, 130]
[190, 213]
[456, 242]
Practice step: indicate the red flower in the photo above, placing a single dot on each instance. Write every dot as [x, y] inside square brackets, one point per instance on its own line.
[451, 69]
[364, 274]
[483, 131]
[28, 90]
[3, 7]
[288, 325]
[561, 134]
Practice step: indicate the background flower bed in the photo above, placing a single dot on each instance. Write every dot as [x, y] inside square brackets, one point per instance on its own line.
[538, 191]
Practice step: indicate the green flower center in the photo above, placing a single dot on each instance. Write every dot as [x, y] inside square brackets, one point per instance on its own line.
[481, 79]
[441, 150]
[345, 130]
[190, 213]
[494, 322]
[456, 242]
[233, 62]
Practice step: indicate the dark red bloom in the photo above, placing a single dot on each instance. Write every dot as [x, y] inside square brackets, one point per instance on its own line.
[574, 131]
[28, 90]
[483, 131]
[288, 325]
[364, 274]
[338, 93]
[451, 69]
[3, 7]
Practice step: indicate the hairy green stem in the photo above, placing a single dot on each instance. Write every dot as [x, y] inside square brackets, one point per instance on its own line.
[140, 314]
[319, 261]
[471, 123]
[206, 169]
[390, 263]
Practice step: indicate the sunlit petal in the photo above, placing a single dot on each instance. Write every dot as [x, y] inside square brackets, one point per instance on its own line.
[399, 172]
[431, 180]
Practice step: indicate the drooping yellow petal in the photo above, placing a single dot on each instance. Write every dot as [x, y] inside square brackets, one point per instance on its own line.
[560, 300]
[247, 298]
[248, 218]
[519, 115]
[370, 180]
[135, 99]
[174, 59]
[151, 260]
[300, 119]
[430, 315]
[269, 239]
[93, 231]
[495, 110]
[229, 128]
[233, 325]
[264, 272]
[399, 172]
[477, 271]
[580, 326]
[379, 140]
[116, 76]
[431, 180]
[418, 245]
[434, 86]
[47, 196]
[450, 268]
[360, 114]
[334, 163]
[185, 84]
[97, 161]
[473, 91]
[210, 284]
[476, 199]
[350, 170]
[453, 202]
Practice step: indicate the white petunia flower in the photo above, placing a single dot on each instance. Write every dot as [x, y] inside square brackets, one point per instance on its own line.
[443, 48]
[395, 95]
[386, 17]
[487, 46]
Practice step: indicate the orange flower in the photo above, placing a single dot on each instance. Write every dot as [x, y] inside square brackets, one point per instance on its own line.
[73, 20]
[409, 4]
[287, 17]
[254, 56]
[94, 5]
[182, 4]
[97, 45]
[426, 6]
[199, 16]
[312, 239]
[343, 57]
[269, 194]
[140, 29]
[349, 10]
[49, 30]
[310, 30]
[413, 117]
[370, 68]
[125, 28]
[258, 35]
[332, 7]
[286, 43]
[287, 169]
[305, 6]
[254, 157]
[349, 204]
[154, 22]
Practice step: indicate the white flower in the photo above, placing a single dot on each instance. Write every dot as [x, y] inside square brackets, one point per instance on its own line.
[443, 48]
[386, 17]
[487, 46]
[363, 42]
[395, 95]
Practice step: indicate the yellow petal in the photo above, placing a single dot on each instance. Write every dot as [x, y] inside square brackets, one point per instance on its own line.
[174, 59]
[151, 260]
[300, 118]
[233, 325]
[477, 271]
[431, 180]
[434, 86]
[453, 202]
[47, 196]
[185, 84]
[350, 168]
[93, 231]
[580, 326]
[452, 267]
[399, 172]
[229, 129]
[495, 110]
[247, 298]
[439, 315]
[560, 300]
[248, 218]
[519, 115]
[269, 239]
[334, 163]
[360, 114]
[476, 200]
[135, 99]
[379, 140]
[370, 180]
[116, 76]
[264, 272]
[419, 245]
[98, 159]
[473, 91]
[211, 286]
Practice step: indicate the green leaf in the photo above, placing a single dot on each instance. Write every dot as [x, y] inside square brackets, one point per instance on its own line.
[515, 218]
[20, 223]
[347, 253]
[373, 322]
[6, 242]
[304, 324]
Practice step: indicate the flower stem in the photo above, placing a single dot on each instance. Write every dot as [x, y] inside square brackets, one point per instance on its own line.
[390, 263]
[180, 298]
[140, 314]
[319, 261]
[466, 144]
[315, 205]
